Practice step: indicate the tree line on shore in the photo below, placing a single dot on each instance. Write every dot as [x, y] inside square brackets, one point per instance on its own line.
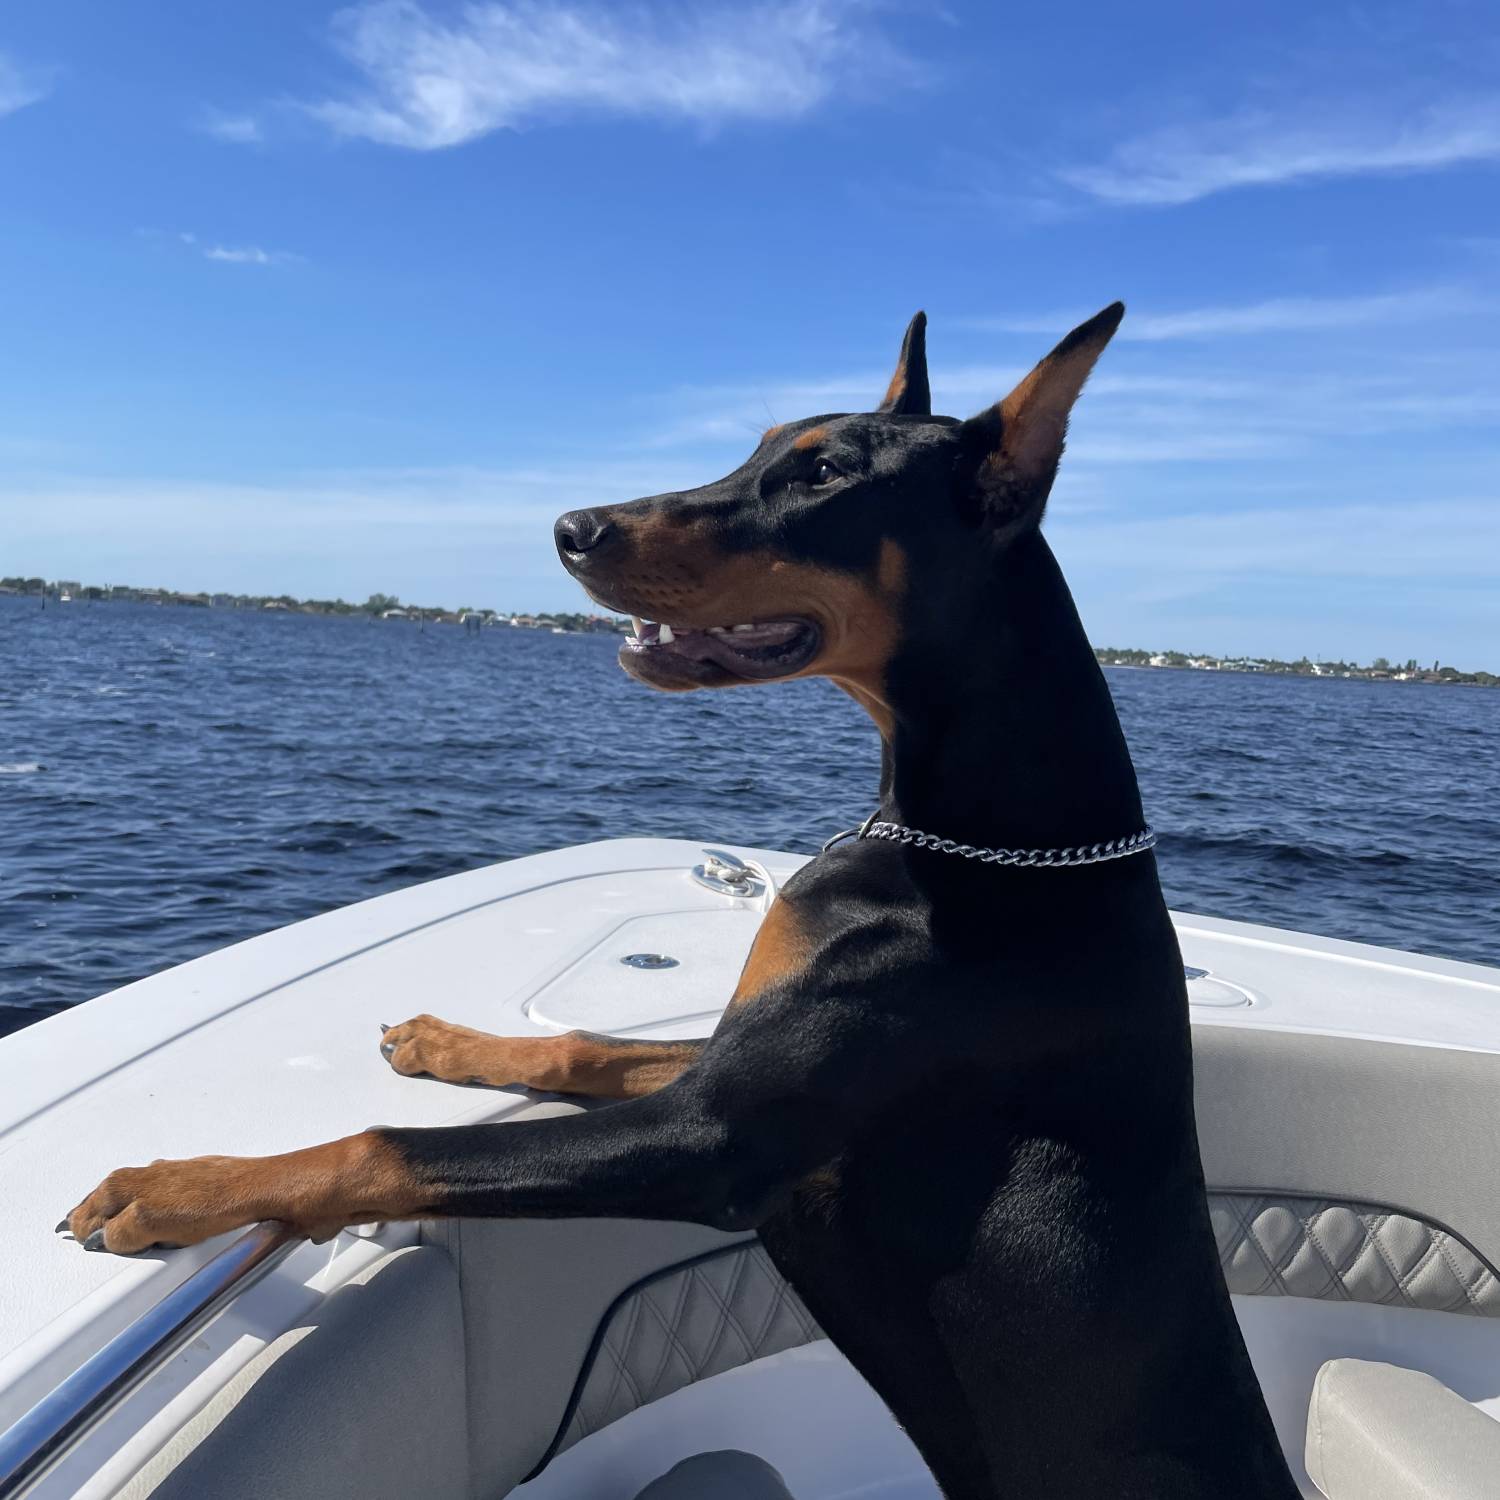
[377, 606]
[1381, 669]
[387, 606]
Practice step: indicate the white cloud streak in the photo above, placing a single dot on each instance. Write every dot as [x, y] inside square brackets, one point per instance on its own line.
[1276, 315]
[247, 255]
[240, 130]
[497, 504]
[1184, 163]
[233, 255]
[740, 412]
[1137, 416]
[485, 533]
[1412, 576]
[20, 86]
[432, 533]
[1433, 538]
[432, 82]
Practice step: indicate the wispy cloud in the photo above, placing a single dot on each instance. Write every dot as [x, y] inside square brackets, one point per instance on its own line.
[1152, 413]
[1186, 162]
[426, 532]
[1275, 315]
[432, 81]
[515, 501]
[248, 255]
[1194, 577]
[732, 417]
[234, 255]
[1282, 422]
[1166, 410]
[20, 86]
[1453, 538]
[1408, 576]
[242, 130]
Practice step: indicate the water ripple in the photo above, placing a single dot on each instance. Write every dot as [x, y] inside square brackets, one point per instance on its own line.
[175, 780]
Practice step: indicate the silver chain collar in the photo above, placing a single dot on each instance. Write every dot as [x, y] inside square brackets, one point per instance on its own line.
[1048, 859]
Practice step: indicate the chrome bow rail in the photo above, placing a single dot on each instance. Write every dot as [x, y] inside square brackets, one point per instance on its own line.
[30, 1447]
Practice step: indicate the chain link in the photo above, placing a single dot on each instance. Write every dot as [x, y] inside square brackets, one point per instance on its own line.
[1042, 859]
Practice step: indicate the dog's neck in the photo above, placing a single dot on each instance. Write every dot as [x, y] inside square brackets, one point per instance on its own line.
[1005, 734]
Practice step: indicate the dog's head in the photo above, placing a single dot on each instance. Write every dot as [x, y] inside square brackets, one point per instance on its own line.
[809, 559]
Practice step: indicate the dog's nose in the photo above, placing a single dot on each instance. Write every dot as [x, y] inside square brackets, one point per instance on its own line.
[581, 531]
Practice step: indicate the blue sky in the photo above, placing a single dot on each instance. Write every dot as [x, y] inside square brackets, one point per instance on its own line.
[329, 300]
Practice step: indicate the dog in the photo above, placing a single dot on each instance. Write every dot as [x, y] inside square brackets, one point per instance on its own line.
[952, 1090]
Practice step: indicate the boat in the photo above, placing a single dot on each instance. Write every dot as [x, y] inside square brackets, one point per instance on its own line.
[1347, 1100]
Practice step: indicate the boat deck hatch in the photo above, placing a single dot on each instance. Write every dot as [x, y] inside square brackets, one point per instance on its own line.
[667, 970]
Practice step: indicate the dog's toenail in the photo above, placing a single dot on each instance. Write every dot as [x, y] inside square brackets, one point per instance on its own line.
[387, 1049]
[95, 1241]
[62, 1227]
[384, 1028]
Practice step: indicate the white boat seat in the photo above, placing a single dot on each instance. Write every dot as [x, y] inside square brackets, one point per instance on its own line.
[726, 1475]
[365, 1403]
[1378, 1432]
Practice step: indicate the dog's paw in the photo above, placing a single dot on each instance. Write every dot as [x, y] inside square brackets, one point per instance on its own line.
[168, 1204]
[425, 1047]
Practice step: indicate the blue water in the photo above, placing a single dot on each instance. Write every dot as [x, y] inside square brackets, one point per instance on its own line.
[172, 780]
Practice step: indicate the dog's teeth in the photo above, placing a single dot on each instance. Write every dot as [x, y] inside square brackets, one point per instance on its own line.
[741, 629]
[717, 630]
[665, 636]
[638, 625]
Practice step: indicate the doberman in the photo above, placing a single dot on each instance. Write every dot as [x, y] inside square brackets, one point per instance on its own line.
[952, 1094]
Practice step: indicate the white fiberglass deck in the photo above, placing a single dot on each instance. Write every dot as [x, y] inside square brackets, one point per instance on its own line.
[272, 1045]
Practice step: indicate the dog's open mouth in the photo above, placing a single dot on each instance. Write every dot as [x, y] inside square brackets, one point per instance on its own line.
[750, 652]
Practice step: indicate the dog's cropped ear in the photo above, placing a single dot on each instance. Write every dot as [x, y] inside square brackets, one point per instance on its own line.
[1013, 448]
[907, 395]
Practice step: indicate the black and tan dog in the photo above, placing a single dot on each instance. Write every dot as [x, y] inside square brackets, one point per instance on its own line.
[953, 1097]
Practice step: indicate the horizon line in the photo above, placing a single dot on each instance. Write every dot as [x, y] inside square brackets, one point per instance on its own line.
[393, 601]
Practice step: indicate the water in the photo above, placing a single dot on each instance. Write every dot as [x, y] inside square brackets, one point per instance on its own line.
[172, 780]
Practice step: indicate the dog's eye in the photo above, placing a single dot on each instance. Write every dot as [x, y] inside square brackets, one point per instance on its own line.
[825, 472]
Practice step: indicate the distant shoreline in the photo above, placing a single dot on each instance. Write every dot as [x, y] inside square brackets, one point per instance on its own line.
[1380, 670]
[377, 607]
[387, 607]
[1462, 679]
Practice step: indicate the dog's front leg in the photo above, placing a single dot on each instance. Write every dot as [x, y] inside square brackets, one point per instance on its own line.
[584, 1062]
[771, 1097]
[648, 1158]
[577, 1062]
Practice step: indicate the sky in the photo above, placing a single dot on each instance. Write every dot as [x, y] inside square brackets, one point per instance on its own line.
[325, 301]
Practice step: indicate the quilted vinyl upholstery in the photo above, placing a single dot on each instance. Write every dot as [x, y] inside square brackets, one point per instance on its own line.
[723, 1310]
[1347, 1252]
[732, 1306]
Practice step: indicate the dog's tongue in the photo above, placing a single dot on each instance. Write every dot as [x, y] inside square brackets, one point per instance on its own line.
[748, 650]
[733, 648]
